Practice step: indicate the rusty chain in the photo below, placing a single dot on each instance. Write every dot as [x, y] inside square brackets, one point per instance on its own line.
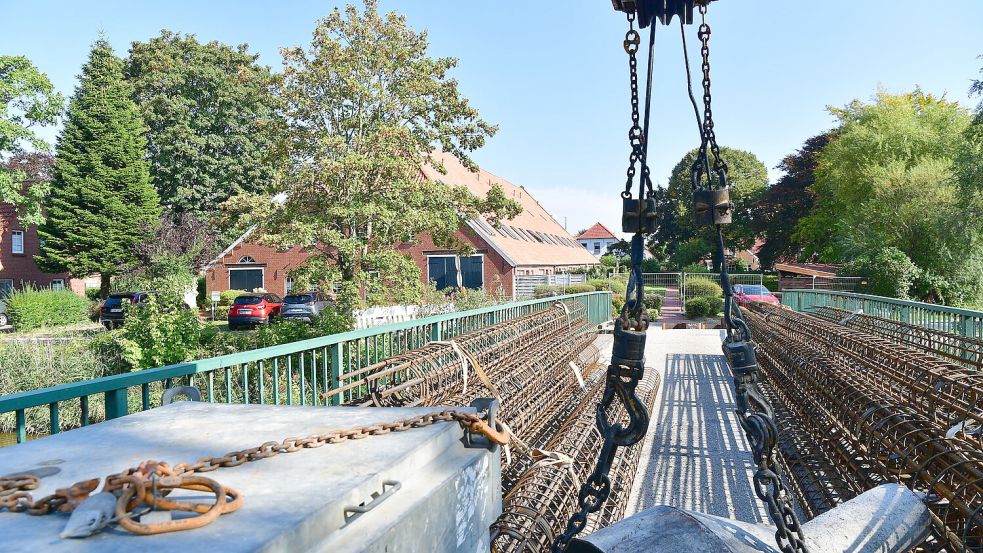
[152, 480]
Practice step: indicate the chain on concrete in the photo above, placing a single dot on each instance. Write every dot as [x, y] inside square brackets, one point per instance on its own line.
[149, 483]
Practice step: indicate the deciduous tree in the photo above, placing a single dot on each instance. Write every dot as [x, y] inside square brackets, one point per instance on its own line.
[888, 179]
[777, 212]
[27, 100]
[211, 121]
[101, 201]
[748, 178]
[365, 107]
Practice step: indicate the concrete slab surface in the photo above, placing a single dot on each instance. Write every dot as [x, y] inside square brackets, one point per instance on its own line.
[695, 455]
[292, 502]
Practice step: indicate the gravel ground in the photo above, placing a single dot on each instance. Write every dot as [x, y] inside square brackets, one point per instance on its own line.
[695, 455]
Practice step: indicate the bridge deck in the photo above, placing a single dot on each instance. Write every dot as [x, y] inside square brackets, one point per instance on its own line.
[695, 455]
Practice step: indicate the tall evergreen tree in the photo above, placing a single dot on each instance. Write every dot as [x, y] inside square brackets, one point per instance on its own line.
[101, 202]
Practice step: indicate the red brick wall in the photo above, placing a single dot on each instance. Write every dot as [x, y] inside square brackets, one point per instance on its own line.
[21, 267]
[275, 263]
[497, 270]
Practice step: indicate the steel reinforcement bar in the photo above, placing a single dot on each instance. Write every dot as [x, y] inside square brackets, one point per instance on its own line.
[854, 433]
[945, 392]
[538, 506]
[954, 347]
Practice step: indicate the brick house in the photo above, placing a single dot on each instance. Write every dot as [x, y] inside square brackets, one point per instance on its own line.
[532, 243]
[18, 246]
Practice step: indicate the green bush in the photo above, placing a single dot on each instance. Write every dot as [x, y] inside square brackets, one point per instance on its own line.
[617, 302]
[92, 294]
[651, 265]
[889, 273]
[701, 307]
[771, 283]
[546, 291]
[694, 268]
[600, 283]
[716, 305]
[579, 289]
[698, 308]
[228, 296]
[653, 302]
[703, 287]
[31, 309]
[160, 333]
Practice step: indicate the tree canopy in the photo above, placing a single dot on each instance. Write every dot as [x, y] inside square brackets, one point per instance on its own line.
[101, 201]
[365, 106]
[888, 179]
[211, 121]
[748, 178]
[27, 100]
[775, 215]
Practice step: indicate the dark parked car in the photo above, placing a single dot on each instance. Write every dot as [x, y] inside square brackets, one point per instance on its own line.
[304, 306]
[250, 310]
[113, 310]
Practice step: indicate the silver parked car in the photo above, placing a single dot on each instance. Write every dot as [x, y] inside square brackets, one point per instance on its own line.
[304, 306]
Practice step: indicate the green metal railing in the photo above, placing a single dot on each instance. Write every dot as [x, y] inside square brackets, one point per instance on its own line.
[965, 322]
[290, 374]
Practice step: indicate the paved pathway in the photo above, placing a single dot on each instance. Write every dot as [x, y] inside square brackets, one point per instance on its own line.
[695, 455]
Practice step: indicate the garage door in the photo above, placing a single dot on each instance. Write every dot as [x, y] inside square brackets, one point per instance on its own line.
[246, 279]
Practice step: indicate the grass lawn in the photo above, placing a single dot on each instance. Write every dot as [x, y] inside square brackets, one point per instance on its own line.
[660, 290]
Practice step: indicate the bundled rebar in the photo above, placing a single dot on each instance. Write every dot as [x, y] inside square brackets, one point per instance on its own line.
[539, 505]
[948, 393]
[858, 423]
[953, 347]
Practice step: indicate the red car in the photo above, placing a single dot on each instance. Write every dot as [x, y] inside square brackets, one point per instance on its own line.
[747, 293]
[250, 310]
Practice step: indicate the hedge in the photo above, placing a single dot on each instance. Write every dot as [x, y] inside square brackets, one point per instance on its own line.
[701, 307]
[703, 288]
[31, 309]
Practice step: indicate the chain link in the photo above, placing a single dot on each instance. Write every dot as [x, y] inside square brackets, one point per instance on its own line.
[633, 42]
[15, 490]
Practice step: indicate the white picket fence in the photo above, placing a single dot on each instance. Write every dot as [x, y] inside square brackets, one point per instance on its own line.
[378, 316]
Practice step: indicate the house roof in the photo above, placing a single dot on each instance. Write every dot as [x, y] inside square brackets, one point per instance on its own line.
[808, 269]
[597, 232]
[531, 238]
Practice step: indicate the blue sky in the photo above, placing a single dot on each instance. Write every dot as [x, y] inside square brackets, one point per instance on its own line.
[555, 79]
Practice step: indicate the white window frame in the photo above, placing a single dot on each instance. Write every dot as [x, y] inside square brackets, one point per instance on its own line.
[288, 284]
[13, 246]
[247, 259]
[263, 269]
[60, 282]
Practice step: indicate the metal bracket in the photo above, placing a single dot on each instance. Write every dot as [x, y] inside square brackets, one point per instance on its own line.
[477, 441]
[663, 10]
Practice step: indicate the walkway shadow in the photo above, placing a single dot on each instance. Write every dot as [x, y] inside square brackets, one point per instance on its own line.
[700, 459]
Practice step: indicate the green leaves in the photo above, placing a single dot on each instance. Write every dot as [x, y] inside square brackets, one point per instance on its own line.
[364, 108]
[102, 203]
[748, 179]
[27, 100]
[888, 182]
[212, 130]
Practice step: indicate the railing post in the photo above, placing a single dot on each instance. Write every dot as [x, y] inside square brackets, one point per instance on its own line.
[116, 403]
[435, 333]
[335, 371]
[967, 327]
